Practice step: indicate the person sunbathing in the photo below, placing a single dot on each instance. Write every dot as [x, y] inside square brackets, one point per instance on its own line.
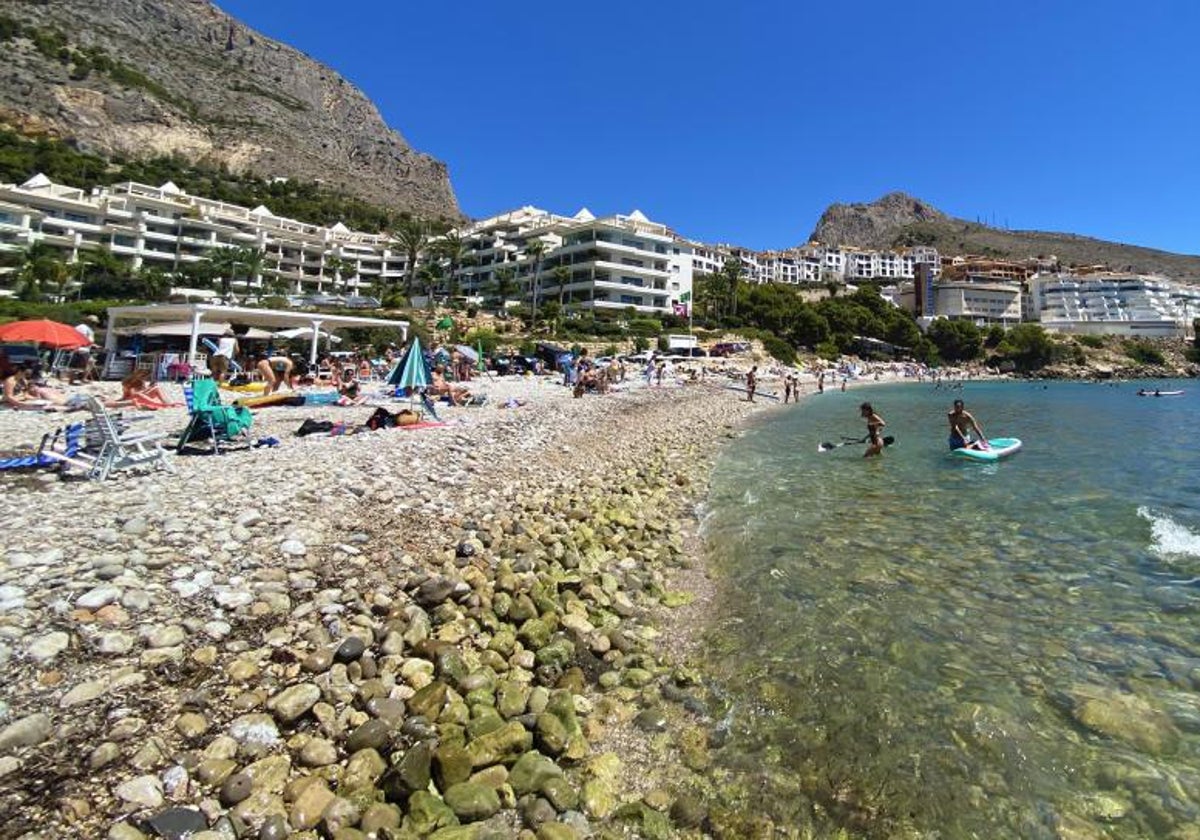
[441, 388]
[137, 390]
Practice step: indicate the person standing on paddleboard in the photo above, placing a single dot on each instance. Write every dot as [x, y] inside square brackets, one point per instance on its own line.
[961, 424]
[875, 426]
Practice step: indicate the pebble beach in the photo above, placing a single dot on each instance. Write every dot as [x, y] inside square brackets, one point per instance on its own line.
[474, 630]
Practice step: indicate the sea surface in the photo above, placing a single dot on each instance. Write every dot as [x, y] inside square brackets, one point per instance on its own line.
[920, 646]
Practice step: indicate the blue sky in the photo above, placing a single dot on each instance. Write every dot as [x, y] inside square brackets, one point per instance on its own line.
[741, 121]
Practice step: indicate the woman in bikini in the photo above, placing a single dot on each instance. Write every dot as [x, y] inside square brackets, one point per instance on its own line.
[875, 426]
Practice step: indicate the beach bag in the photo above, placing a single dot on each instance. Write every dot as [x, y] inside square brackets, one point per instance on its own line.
[314, 427]
[381, 419]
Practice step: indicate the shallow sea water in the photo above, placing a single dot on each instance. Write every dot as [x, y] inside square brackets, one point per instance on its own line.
[916, 645]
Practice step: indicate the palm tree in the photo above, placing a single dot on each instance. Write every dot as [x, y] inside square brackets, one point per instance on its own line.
[535, 249]
[733, 276]
[228, 263]
[101, 273]
[429, 281]
[153, 282]
[452, 248]
[504, 284]
[341, 269]
[39, 268]
[413, 235]
[562, 276]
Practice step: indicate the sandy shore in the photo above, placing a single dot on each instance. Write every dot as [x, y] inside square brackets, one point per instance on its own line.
[323, 634]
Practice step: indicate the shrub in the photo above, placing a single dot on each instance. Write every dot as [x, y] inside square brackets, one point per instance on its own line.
[488, 338]
[1093, 341]
[780, 349]
[827, 350]
[609, 350]
[663, 344]
[640, 343]
[1144, 354]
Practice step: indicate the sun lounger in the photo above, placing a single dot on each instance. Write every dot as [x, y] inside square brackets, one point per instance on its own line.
[57, 448]
[122, 449]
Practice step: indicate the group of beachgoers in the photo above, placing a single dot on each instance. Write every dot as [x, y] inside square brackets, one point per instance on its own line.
[965, 431]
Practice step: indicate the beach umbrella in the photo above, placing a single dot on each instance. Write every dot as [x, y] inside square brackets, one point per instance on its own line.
[411, 371]
[467, 352]
[44, 333]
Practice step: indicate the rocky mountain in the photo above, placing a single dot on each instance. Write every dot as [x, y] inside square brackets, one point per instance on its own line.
[898, 219]
[140, 78]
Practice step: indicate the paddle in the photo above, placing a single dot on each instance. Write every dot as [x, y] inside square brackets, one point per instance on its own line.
[828, 447]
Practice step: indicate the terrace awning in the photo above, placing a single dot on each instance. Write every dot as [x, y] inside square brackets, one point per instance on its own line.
[200, 317]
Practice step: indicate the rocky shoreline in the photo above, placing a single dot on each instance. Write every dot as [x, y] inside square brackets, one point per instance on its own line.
[472, 631]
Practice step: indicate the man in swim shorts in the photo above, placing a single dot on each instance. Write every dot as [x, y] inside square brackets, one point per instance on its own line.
[962, 423]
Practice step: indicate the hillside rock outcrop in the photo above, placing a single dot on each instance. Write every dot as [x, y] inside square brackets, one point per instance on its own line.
[139, 78]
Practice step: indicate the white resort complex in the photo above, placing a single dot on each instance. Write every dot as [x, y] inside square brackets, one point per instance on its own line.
[615, 263]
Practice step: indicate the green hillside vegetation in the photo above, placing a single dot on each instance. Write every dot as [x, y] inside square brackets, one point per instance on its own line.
[22, 157]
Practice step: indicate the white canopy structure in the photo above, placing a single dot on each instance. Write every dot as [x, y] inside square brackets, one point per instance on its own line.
[201, 315]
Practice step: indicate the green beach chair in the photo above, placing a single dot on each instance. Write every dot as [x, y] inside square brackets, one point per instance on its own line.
[211, 420]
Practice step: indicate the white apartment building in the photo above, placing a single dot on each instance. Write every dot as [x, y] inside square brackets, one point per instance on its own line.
[165, 227]
[1112, 304]
[980, 302]
[608, 263]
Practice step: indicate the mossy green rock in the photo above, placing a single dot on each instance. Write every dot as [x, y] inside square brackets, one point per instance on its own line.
[427, 813]
[693, 744]
[428, 701]
[461, 832]
[531, 772]
[505, 745]
[362, 770]
[598, 798]
[472, 802]
[410, 775]
[379, 816]
[735, 825]
[1125, 717]
[511, 699]
[451, 765]
[688, 812]
[645, 821]
[561, 794]
[551, 734]
[556, 831]
[485, 723]
[557, 653]
[637, 677]
[535, 633]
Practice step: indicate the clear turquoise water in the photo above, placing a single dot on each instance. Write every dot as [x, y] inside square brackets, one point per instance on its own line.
[916, 645]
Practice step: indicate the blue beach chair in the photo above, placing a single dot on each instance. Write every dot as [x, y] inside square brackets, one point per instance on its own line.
[59, 448]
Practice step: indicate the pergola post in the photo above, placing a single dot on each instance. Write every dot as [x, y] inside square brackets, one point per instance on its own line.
[194, 339]
[316, 340]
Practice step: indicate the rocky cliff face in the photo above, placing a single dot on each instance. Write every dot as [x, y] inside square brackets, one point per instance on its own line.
[872, 225]
[900, 220]
[150, 77]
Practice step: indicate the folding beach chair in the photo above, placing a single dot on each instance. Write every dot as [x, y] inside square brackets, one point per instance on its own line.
[122, 449]
[210, 420]
[59, 448]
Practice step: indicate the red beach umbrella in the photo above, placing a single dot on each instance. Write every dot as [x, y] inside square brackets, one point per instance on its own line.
[45, 333]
